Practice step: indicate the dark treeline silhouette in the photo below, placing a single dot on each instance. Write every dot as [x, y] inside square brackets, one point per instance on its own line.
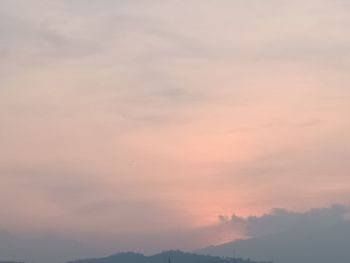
[164, 257]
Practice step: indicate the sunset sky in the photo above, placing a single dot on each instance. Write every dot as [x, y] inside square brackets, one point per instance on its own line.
[137, 123]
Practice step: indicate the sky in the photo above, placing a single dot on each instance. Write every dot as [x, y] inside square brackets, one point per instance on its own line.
[141, 125]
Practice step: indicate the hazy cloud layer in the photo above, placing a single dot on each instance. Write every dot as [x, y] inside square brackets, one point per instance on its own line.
[138, 120]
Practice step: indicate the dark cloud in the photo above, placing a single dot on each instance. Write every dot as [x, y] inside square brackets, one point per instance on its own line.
[316, 235]
[282, 220]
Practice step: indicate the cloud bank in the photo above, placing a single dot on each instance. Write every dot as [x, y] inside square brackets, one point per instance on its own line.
[282, 220]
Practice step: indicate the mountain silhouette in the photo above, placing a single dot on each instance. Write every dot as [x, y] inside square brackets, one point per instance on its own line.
[173, 256]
